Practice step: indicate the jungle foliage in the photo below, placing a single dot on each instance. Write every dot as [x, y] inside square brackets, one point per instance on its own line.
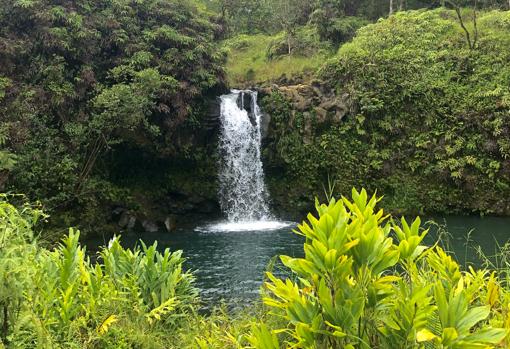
[305, 32]
[81, 81]
[366, 281]
[428, 116]
[58, 298]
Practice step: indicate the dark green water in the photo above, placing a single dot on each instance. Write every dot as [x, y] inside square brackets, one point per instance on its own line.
[230, 265]
[466, 233]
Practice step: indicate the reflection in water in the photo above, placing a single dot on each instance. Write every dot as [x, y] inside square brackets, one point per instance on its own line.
[230, 264]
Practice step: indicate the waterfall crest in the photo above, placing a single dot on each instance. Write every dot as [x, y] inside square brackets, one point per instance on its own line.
[242, 192]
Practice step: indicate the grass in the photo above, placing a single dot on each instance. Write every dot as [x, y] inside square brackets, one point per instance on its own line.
[248, 65]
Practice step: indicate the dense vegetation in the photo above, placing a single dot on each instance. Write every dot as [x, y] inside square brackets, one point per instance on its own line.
[108, 111]
[86, 86]
[54, 298]
[106, 106]
[365, 281]
[427, 120]
[299, 34]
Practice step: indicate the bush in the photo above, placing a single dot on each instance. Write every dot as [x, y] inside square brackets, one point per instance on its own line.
[367, 282]
[337, 30]
[55, 298]
[426, 117]
[81, 80]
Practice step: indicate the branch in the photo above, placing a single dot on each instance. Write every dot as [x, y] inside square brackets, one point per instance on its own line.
[461, 21]
[475, 24]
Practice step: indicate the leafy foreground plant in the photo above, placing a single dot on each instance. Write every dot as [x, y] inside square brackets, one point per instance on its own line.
[367, 282]
[52, 299]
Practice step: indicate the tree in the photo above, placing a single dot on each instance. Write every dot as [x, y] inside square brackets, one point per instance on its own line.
[80, 79]
[289, 14]
[471, 40]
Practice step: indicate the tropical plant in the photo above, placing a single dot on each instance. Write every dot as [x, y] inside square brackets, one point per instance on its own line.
[17, 253]
[59, 297]
[368, 282]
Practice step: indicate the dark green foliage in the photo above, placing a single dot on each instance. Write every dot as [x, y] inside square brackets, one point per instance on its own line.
[332, 17]
[80, 79]
[337, 30]
[427, 121]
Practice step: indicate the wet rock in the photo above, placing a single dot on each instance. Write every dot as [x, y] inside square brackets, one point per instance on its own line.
[118, 210]
[265, 120]
[212, 118]
[245, 101]
[127, 220]
[325, 102]
[321, 114]
[149, 226]
[308, 128]
[171, 223]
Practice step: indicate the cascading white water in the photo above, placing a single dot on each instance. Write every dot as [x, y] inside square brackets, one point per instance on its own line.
[242, 192]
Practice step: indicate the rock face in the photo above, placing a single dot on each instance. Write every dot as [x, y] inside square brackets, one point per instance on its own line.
[149, 226]
[314, 97]
[127, 219]
[167, 214]
[317, 104]
[245, 101]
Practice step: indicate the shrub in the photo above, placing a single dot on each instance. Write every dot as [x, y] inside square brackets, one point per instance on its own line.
[17, 253]
[337, 30]
[425, 118]
[366, 281]
[53, 298]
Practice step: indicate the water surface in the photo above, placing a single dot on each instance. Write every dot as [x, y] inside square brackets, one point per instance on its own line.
[229, 261]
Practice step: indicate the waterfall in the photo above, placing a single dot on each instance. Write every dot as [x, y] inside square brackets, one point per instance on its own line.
[242, 192]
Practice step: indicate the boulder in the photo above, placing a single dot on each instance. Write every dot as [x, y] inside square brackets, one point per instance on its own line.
[127, 220]
[149, 226]
[171, 223]
[321, 114]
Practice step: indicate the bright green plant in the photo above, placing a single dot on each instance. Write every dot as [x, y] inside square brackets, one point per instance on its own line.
[17, 252]
[59, 298]
[155, 281]
[367, 282]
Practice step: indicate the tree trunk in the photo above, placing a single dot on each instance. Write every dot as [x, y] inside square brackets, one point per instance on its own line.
[391, 7]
